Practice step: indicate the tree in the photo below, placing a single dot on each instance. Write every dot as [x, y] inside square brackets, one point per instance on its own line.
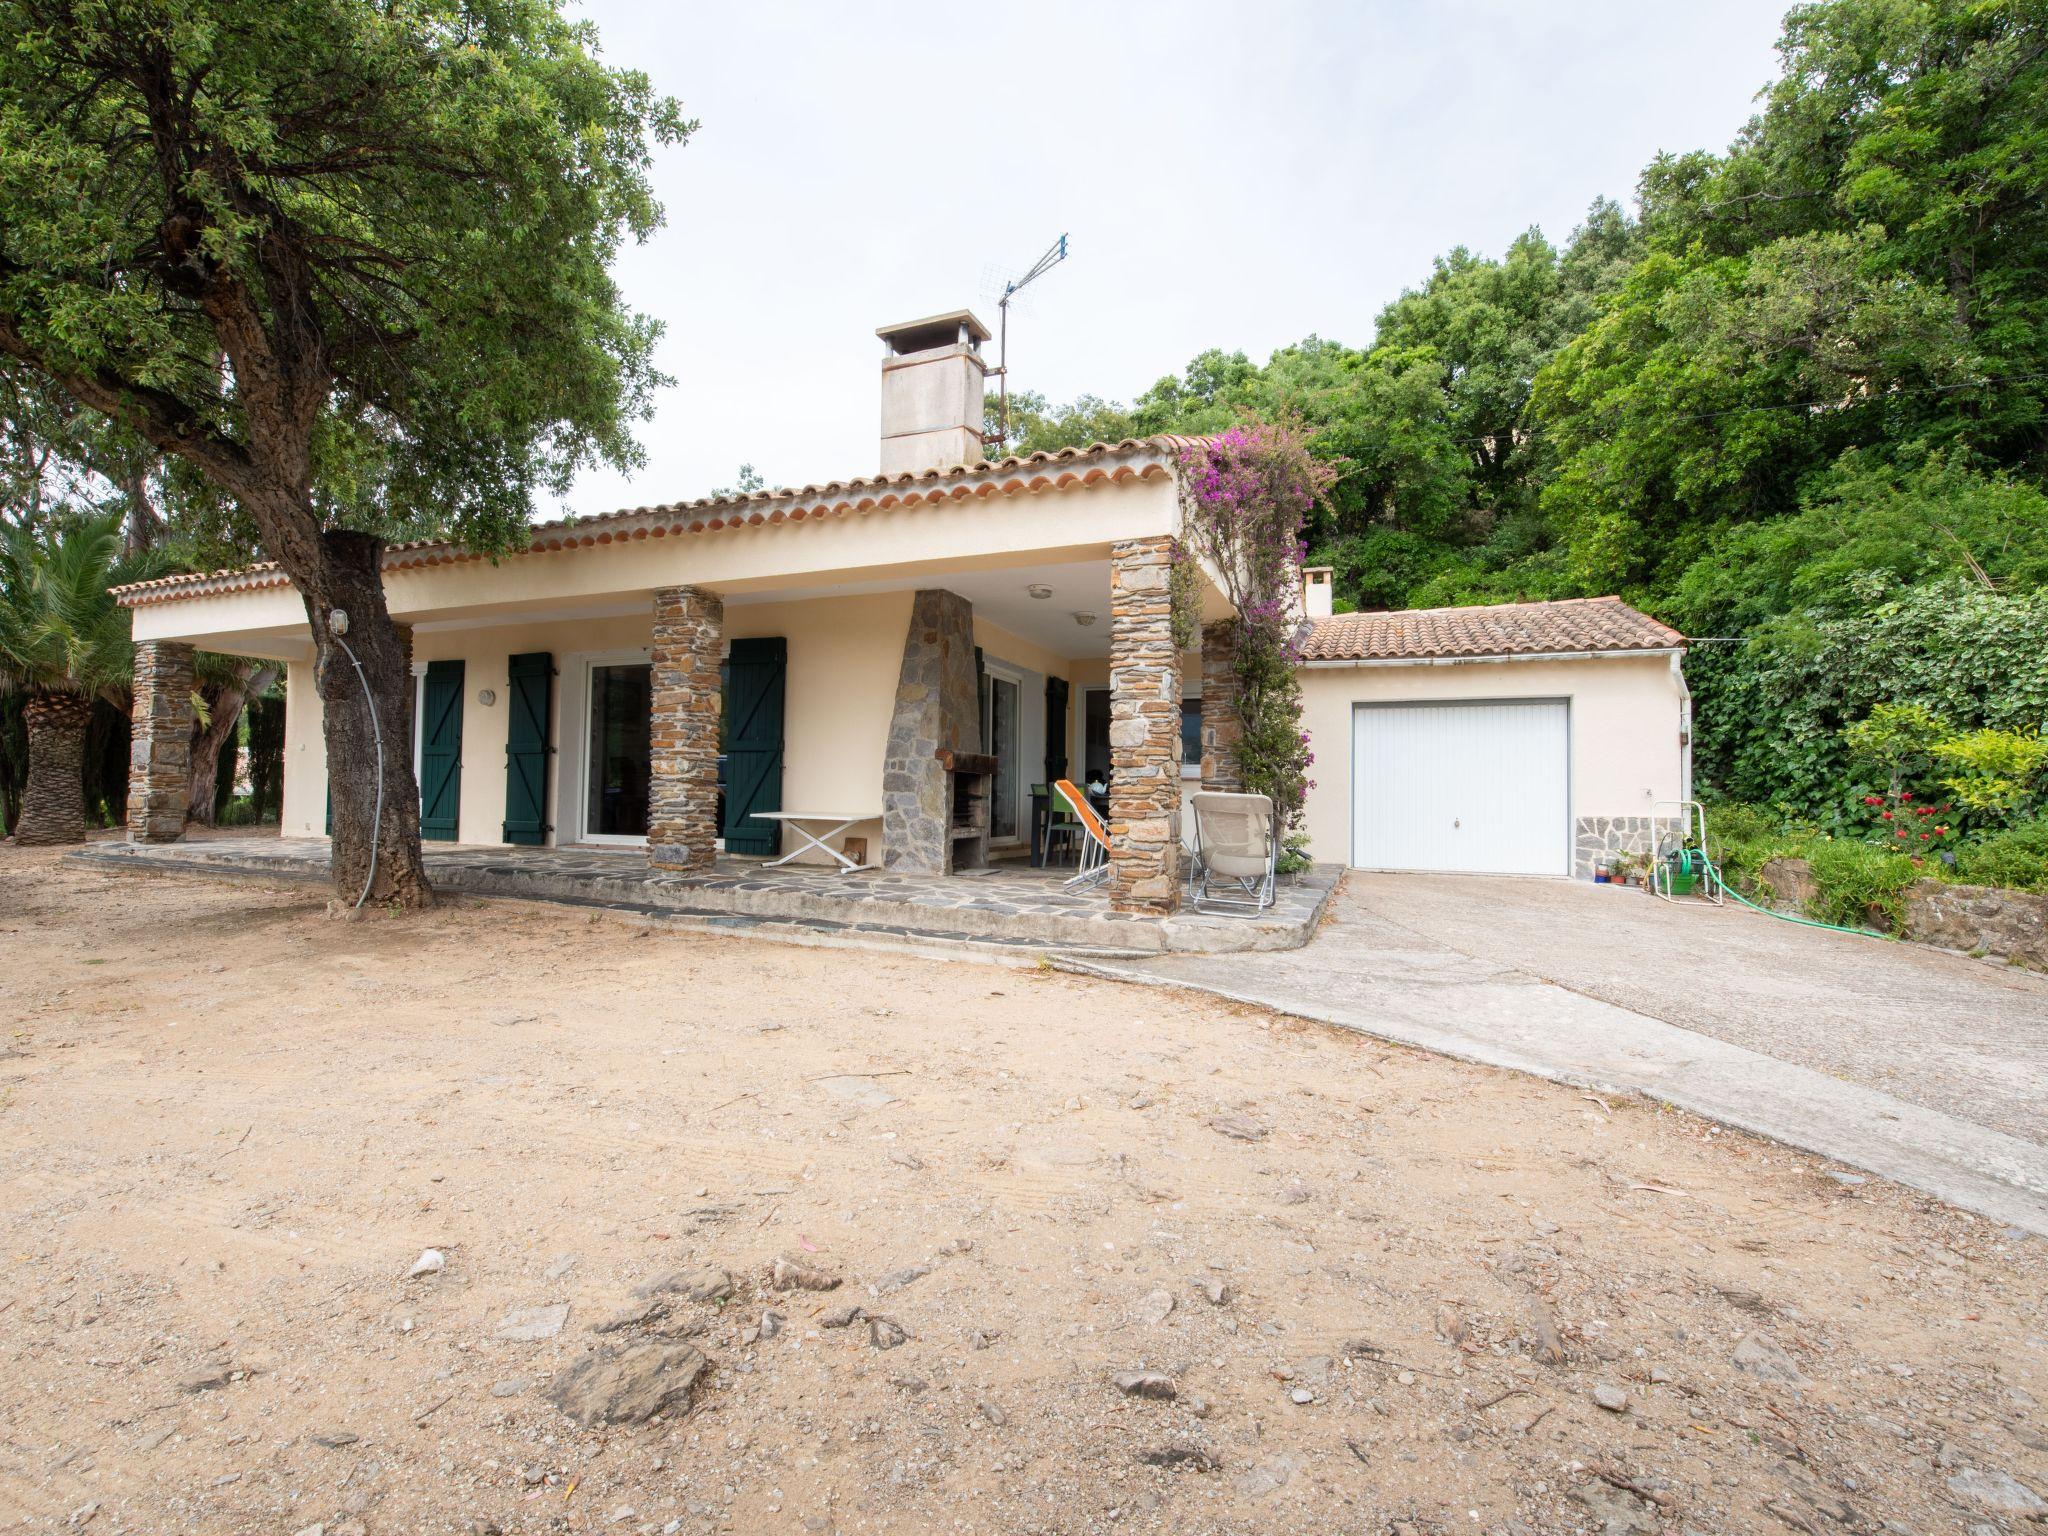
[345, 264]
[63, 642]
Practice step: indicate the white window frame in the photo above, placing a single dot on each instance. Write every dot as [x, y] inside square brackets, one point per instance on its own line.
[1020, 812]
[586, 664]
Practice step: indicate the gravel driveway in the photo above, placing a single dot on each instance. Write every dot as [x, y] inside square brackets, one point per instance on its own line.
[1925, 1066]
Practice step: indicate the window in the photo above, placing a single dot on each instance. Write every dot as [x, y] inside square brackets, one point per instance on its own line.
[1191, 738]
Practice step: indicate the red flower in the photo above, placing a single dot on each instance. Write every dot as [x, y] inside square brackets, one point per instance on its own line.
[1898, 832]
[1873, 799]
[1886, 814]
[1905, 794]
[1923, 837]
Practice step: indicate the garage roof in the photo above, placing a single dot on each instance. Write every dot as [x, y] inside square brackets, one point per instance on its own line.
[1499, 629]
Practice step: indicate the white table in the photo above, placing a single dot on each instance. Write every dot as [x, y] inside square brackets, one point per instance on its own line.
[832, 823]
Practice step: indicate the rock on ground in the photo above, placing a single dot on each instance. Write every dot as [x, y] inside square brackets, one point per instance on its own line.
[629, 1385]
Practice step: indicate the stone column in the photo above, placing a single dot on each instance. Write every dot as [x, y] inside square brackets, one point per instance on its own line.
[160, 750]
[1144, 729]
[682, 797]
[1221, 728]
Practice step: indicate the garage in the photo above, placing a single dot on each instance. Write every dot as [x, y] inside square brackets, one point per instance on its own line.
[1463, 786]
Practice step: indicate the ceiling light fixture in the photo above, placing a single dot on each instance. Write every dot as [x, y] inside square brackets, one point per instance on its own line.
[1084, 619]
[1039, 590]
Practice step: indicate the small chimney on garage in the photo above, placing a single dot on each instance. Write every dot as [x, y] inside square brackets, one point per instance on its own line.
[1316, 593]
[932, 382]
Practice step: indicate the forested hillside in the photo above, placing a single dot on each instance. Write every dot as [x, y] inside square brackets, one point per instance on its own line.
[1795, 403]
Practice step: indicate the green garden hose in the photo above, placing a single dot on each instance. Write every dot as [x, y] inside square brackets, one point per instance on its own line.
[1714, 874]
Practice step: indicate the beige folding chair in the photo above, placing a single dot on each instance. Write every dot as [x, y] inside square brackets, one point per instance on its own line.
[1237, 853]
[1094, 835]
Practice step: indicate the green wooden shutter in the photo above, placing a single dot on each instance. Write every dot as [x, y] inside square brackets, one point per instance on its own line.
[754, 685]
[441, 752]
[530, 681]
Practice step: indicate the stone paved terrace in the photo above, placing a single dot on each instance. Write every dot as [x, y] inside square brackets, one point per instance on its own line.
[1011, 907]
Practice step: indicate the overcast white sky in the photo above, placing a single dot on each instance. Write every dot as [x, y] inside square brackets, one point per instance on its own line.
[1232, 175]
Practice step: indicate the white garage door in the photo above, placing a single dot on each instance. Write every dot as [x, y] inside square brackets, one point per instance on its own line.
[1476, 788]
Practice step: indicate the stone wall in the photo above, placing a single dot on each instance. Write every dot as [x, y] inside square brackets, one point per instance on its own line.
[1976, 919]
[160, 750]
[1144, 729]
[682, 798]
[938, 706]
[1979, 919]
[1221, 728]
[1596, 837]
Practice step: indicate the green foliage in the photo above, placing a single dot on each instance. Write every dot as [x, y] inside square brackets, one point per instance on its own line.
[60, 632]
[2016, 858]
[1861, 516]
[1857, 881]
[1992, 771]
[1782, 698]
[394, 222]
[1899, 739]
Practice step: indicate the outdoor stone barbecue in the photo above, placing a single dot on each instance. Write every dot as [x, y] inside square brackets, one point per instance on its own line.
[936, 718]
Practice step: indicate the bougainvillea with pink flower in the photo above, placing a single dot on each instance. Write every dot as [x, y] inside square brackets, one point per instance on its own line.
[1244, 497]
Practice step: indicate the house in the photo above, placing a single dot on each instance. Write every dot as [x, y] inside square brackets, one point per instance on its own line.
[914, 656]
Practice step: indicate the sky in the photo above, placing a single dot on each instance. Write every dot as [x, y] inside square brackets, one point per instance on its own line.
[1230, 175]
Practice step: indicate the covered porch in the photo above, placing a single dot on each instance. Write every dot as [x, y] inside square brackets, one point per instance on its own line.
[1008, 908]
[665, 681]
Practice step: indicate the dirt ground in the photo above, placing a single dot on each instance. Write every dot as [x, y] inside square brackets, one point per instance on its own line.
[1388, 1292]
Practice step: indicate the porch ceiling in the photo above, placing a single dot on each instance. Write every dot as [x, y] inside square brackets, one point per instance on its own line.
[1002, 596]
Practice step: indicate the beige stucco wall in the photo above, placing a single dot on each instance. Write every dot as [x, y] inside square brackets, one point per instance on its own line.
[844, 656]
[1627, 722]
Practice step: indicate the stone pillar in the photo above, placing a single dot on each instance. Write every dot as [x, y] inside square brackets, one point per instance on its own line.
[682, 797]
[1221, 728]
[1144, 729]
[160, 750]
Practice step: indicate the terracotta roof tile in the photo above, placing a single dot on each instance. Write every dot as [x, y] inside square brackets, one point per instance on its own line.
[1500, 629]
[1056, 469]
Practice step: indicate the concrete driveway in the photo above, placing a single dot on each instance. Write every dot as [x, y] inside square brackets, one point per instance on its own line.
[1925, 1067]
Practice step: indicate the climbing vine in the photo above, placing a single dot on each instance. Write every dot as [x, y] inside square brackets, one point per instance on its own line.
[1244, 497]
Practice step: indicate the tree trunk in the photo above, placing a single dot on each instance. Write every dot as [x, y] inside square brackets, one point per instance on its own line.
[349, 578]
[266, 756]
[207, 751]
[53, 804]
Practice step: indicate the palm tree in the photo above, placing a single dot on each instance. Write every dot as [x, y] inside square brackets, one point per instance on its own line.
[63, 643]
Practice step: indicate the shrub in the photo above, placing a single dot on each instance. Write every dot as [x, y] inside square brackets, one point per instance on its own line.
[2016, 858]
[1992, 771]
[1854, 881]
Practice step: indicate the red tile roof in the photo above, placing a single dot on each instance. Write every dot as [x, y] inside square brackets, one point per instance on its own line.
[1057, 469]
[1500, 629]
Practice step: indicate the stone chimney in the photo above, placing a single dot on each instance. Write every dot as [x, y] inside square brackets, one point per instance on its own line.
[1316, 593]
[932, 382]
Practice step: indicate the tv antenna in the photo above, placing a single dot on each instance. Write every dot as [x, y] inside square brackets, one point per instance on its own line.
[1054, 255]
